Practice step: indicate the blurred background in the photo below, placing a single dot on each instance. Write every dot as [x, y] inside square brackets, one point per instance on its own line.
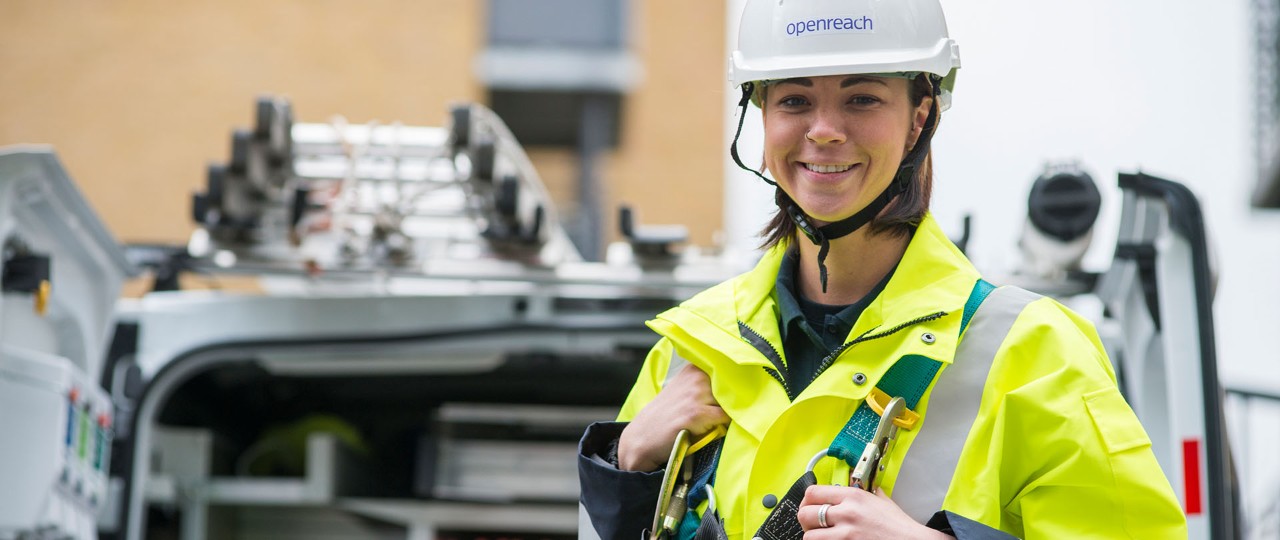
[625, 102]
[138, 95]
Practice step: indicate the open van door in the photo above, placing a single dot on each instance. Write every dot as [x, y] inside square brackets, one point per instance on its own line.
[1158, 297]
[61, 273]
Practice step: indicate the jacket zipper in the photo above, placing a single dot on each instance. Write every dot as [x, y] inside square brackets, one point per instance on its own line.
[868, 336]
[769, 351]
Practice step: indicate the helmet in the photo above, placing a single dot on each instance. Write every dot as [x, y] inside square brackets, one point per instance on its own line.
[779, 39]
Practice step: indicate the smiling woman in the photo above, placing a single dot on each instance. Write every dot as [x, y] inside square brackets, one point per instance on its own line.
[952, 407]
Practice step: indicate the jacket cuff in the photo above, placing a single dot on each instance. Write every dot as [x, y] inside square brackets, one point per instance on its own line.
[619, 503]
[964, 528]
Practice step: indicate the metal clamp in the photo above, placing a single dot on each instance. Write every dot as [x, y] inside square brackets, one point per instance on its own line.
[864, 474]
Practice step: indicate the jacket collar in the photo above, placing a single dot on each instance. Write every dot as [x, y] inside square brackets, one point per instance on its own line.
[932, 276]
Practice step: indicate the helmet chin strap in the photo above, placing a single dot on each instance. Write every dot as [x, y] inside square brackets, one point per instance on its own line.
[747, 89]
[822, 236]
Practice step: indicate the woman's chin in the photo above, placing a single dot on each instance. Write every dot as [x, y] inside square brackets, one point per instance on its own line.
[822, 214]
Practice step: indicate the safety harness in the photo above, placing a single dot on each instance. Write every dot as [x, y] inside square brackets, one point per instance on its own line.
[822, 236]
[909, 378]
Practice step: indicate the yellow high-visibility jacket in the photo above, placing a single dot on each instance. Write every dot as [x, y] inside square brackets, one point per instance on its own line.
[1035, 441]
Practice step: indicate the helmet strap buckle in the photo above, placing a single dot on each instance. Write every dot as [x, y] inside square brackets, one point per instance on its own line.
[802, 223]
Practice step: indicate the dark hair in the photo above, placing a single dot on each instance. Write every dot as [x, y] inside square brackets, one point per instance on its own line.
[902, 215]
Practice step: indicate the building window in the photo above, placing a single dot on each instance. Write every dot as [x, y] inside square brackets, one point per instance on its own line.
[548, 62]
[1267, 102]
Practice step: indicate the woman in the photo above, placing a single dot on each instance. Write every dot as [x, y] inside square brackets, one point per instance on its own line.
[1020, 430]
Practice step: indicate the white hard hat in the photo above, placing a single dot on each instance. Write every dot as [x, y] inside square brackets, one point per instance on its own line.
[780, 39]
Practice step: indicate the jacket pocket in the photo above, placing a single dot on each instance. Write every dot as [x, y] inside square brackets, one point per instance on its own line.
[1115, 421]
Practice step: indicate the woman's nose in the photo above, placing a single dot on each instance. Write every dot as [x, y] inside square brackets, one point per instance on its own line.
[824, 131]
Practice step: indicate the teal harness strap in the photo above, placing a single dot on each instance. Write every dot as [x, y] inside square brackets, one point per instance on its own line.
[980, 291]
[908, 378]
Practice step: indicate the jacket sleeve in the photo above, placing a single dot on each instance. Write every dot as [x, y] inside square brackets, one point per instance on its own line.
[621, 503]
[964, 528]
[649, 382]
[1056, 452]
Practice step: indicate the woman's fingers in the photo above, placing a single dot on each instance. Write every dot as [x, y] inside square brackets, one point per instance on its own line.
[685, 402]
[822, 493]
[697, 406]
[854, 513]
[691, 383]
[812, 504]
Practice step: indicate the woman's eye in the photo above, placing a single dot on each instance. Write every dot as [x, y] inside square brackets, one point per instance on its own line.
[864, 100]
[792, 101]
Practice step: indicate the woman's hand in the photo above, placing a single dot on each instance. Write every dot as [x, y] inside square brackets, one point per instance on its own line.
[684, 403]
[854, 513]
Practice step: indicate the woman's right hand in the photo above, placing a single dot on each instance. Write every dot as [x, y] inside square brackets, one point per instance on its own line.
[684, 403]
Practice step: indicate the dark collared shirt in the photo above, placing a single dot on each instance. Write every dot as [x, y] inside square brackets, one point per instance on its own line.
[810, 331]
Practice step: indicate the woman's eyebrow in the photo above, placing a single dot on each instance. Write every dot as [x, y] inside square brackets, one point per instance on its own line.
[802, 81]
[859, 80]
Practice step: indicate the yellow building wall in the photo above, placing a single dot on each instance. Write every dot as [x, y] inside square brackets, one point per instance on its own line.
[137, 96]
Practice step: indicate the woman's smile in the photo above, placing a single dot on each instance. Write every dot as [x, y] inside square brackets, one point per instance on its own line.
[827, 169]
[832, 178]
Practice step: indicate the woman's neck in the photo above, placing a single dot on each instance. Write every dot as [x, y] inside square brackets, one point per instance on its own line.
[855, 264]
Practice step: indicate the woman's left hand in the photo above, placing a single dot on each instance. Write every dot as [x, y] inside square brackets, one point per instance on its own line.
[854, 513]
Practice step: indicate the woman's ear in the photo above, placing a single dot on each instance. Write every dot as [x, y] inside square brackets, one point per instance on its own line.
[918, 119]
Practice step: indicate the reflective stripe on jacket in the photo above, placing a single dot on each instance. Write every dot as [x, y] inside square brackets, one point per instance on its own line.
[1039, 444]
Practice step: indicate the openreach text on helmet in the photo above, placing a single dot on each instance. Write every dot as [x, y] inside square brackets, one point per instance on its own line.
[831, 24]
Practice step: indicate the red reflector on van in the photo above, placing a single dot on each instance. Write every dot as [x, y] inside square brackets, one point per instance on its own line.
[1191, 475]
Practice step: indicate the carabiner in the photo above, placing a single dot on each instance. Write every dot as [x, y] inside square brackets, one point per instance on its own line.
[864, 474]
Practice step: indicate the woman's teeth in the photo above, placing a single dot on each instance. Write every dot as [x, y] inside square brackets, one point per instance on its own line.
[827, 168]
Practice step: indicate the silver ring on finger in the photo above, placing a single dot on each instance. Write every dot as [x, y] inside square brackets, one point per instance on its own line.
[822, 516]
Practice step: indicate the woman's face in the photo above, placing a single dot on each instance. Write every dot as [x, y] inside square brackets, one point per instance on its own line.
[833, 143]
